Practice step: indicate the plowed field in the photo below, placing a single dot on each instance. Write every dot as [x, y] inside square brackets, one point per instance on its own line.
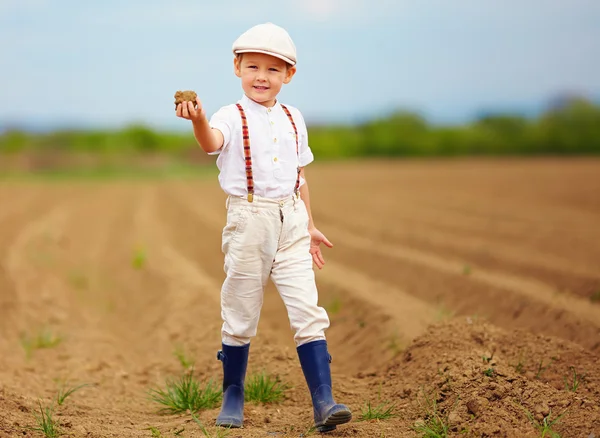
[471, 283]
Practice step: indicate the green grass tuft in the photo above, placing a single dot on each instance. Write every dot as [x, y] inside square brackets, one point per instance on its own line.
[154, 431]
[595, 298]
[43, 339]
[139, 259]
[545, 426]
[186, 393]
[489, 372]
[64, 392]
[263, 388]
[435, 424]
[183, 358]
[541, 368]
[334, 307]
[219, 432]
[577, 379]
[46, 424]
[383, 411]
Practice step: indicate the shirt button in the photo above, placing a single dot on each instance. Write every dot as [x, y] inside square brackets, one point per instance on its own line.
[272, 122]
[275, 139]
[268, 109]
[275, 159]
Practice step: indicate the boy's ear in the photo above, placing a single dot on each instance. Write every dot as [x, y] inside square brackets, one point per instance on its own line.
[237, 66]
[289, 74]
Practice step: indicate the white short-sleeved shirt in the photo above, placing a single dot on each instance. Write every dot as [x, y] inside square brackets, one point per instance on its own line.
[272, 145]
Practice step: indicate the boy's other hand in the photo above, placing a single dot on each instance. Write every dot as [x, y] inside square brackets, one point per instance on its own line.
[187, 111]
[316, 238]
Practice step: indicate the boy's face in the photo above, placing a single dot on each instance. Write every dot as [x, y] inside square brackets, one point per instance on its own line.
[262, 76]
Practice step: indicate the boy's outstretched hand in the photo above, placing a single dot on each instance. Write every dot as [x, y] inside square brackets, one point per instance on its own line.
[316, 238]
[187, 111]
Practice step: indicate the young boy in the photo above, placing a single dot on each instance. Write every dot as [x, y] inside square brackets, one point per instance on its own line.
[262, 149]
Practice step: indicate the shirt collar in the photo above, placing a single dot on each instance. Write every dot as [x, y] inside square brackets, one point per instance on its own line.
[250, 104]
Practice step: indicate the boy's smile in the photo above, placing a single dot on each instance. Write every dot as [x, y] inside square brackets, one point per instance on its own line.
[262, 76]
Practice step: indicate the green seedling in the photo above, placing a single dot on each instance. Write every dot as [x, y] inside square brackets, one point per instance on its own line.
[546, 425]
[542, 368]
[44, 339]
[154, 431]
[489, 372]
[263, 388]
[183, 358]
[487, 359]
[435, 424]
[311, 430]
[138, 260]
[78, 281]
[383, 411]
[466, 270]
[395, 344]
[186, 393]
[45, 423]
[595, 298]
[219, 433]
[575, 382]
[334, 307]
[520, 366]
[63, 392]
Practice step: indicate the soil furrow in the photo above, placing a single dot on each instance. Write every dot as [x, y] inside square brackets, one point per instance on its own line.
[130, 273]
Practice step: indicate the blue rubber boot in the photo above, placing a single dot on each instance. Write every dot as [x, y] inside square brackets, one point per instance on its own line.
[315, 360]
[235, 361]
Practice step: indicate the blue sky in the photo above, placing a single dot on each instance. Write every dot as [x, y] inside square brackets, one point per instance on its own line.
[113, 62]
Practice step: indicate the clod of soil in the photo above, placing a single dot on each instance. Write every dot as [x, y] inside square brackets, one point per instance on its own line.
[183, 96]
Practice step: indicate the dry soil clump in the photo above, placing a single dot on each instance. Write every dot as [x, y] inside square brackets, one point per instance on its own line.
[183, 96]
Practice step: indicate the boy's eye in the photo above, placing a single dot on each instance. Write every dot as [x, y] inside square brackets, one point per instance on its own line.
[274, 69]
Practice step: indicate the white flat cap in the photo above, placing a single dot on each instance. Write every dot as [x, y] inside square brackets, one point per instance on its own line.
[267, 38]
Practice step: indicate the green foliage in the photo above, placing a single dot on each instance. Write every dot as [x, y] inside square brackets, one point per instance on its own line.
[183, 357]
[571, 128]
[64, 392]
[382, 411]
[139, 258]
[219, 433]
[45, 338]
[545, 427]
[46, 424]
[435, 423]
[186, 393]
[573, 383]
[264, 388]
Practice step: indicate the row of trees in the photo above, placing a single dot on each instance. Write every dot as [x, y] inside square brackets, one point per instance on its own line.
[570, 128]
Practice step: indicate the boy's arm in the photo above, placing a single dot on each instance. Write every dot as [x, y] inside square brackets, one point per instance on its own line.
[208, 138]
[316, 237]
[306, 198]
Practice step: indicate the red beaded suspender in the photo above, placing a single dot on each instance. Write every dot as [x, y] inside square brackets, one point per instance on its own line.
[248, 155]
[287, 112]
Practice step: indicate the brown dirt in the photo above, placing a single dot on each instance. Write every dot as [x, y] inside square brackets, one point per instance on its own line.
[471, 281]
[185, 96]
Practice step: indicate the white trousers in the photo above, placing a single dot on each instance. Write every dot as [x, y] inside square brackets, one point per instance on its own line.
[262, 239]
